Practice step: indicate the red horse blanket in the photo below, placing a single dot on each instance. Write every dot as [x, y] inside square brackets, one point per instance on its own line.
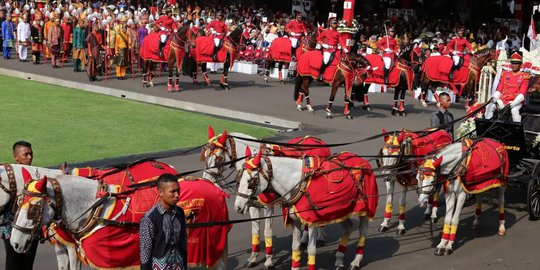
[338, 188]
[281, 50]
[150, 48]
[437, 69]
[296, 152]
[310, 63]
[422, 146]
[205, 244]
[204, 49]
[107, 247]
[377, 74]
[487, 165]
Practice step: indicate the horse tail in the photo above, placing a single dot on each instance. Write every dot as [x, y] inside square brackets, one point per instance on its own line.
[297, 87]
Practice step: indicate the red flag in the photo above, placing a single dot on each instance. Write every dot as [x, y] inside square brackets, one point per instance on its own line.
[532, 34]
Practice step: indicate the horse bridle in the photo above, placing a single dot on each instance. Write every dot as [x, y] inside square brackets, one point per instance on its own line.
[212, 149]
[12, 190]
[35, 211]
[254, 181]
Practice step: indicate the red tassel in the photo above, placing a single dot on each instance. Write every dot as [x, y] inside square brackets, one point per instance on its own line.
[223, 138]
[41, 185]
[211, 133]
[27, 177]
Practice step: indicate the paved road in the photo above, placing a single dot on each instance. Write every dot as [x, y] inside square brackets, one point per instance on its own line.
[481, 249]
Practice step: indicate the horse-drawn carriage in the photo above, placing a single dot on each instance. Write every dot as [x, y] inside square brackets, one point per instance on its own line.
[524, 155]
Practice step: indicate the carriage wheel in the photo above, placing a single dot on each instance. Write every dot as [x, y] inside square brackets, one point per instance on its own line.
[533, 194]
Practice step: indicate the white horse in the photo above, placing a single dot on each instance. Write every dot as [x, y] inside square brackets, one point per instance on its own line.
[395, 146]
[454, 164]
[287, 178]
[78, 195]
[224, 149]
[66, 255]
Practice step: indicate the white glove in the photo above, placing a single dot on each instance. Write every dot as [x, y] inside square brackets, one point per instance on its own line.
[472, 52]
[517, 101]
[455, 52]
[345, 50]
[318, 47]
[162, 28]
[387, 50]
[496, 96]
[326, 46]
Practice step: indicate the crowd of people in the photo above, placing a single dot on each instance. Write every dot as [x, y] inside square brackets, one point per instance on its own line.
[86, 32]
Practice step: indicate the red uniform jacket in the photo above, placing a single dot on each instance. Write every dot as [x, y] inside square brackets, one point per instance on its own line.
[512, 84]
[166, 22]
[296, 28]
[330, 39]
[458, 44]
[219, 27]
[388, 42]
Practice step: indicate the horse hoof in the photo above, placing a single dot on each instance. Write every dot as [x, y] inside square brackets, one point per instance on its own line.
[501, 232]
[177, 88]
[340, 267]
[349, 117]
[439, 252]
[303, 245]
[320, 243]
[402, 113]
[265, 80]
[394, 112]
[448, 252]
[299, 108]
[367, 108]
[383, 229]
[434, 220]
[427, 216]
[282, 82]
[401, 231]
[251, 264]
[354, 267]
[268, 267]
[424, 104]
[329, 116]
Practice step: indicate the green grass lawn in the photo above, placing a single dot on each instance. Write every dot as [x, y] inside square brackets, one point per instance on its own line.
[65, 124]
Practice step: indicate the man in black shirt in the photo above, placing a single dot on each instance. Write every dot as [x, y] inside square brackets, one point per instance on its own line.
[163, 230]
[443, 118]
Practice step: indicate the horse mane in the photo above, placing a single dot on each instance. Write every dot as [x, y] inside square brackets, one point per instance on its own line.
[359, 59]
[235, 34]
[484, 52]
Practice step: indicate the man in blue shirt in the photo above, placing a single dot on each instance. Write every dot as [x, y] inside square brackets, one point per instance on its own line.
[8, 36]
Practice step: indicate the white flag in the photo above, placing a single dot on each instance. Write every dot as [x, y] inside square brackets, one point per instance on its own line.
[532, 35]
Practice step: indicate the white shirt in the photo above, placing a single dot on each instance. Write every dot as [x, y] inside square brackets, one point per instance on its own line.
[23, 31]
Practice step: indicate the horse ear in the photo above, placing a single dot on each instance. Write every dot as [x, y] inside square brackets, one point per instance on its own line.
[211, 133]
[223, 138]
[437, 162]
[41, 185]
[401, 136]
[257, 160]
[248, 152]
[27, 177]
[385, 136]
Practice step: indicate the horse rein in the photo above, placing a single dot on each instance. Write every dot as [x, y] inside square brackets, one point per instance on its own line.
[35, 211]
[12, 190]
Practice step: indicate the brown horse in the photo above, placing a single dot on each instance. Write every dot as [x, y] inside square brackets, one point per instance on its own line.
[468, 89]
[307, 43]
[175, 49]
[345, 72]
[232, 43]
[404, 83]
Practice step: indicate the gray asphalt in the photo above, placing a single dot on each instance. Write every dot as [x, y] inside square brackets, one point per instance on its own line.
[481, 249]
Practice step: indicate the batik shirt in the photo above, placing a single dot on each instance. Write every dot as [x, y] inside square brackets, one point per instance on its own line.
[163, 239]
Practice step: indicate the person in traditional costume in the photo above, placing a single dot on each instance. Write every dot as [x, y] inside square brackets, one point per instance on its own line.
[79, 46]
[23, 37]
[121, 52]
[55, 42]
[219, 31]
[37, 42]
[512, 88]
[67, 36]
[389, 47]
[328, 40]
[8, 36]
[94, 41]
[457, 47]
